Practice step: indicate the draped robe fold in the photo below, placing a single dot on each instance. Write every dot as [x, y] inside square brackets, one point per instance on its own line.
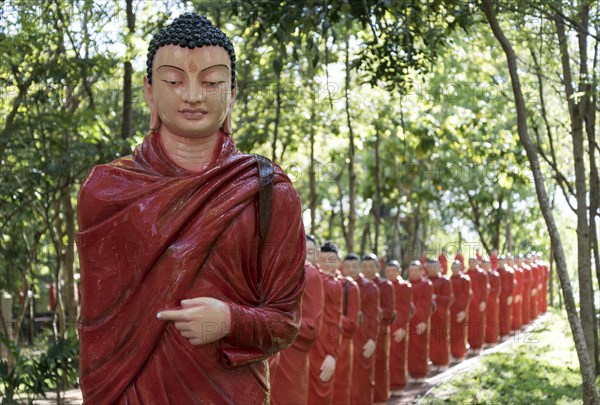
[152, 234]
[492, 310]
[398, 350]
[290, 379]
[507, 282]
[387, 303]
[461, 287]
[418, 345]
[351, 317]
[439, 337]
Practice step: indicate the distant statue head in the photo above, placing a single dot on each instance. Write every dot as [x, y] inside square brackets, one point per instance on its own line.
[190, 79]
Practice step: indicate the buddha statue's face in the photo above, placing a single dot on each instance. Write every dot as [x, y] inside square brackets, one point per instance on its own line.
[190, 90]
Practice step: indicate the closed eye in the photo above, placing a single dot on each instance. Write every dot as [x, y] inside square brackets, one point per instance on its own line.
[172, 82]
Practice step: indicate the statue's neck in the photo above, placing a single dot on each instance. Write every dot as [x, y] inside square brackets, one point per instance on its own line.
[192, 154]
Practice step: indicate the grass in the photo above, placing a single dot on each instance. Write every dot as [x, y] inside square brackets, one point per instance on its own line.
[541, 367]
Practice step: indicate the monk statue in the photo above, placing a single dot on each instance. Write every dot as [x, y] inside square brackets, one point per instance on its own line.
[289, 380]
[507, 288]
[399, 329]
[419, 324]
[492, 310]
[351, 319]
[459, 312]
[187, 285]
[439, 336]
[477, 315]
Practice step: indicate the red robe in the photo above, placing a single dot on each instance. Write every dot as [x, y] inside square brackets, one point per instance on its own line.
[517, 319]
[507, 282]
[461, 259]
[439, 337]
[443, 262]
[351, 317]
[387, 303]
[535, 291]
[543, 287]
[476, 324]
[328, 342]
[527, 283]
[418, 345]
[461, 287]
[152, 234]
[404, 307]
[289, 381]
[492, 310]
[363, 369]
[494, 261]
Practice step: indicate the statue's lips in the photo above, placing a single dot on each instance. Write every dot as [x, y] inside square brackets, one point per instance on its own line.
[193, 114]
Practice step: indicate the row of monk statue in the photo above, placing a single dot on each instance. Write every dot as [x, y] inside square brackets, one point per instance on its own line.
[366, 332]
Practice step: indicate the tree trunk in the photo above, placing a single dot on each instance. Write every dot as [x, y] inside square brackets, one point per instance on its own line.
[377, 201]
[127, 78]
[68, 260]
[551, 276]
[351, 174]
[277, 116]
[590, 126]
[509, 239]
[311, 170]
[576, 113]
[590, 392]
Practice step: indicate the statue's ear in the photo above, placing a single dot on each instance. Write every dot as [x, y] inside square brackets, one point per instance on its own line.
[227, 125]
[154, 118]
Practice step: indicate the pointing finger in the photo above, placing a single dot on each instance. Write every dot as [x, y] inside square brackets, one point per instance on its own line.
[173, 315]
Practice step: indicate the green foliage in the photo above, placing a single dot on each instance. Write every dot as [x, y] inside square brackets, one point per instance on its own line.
[33, 375]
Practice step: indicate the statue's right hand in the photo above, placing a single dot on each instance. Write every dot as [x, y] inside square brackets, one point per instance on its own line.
[369, 348]
[327, 368]
[399, 335]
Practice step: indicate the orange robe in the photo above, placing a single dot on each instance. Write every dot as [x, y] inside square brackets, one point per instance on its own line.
[527, 283]
[351, 317]
[535, 291]
[404, 307]
[461, 287]
[517, 319]
[328, 342]
[387, 303]
[289, 379]
[492, 310]
[476, 324]
[152, 234]
[363, 369]
[418, 345]
[507, 282]
[439, 337]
